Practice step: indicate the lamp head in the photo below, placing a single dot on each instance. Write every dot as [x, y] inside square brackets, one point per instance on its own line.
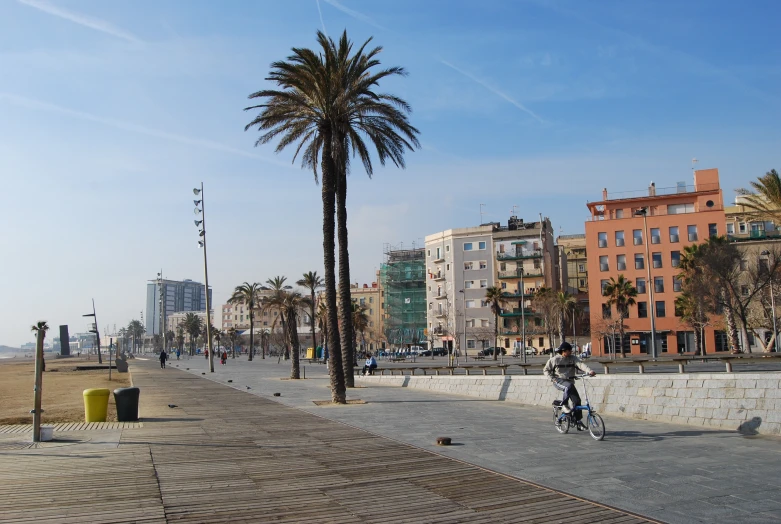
[198, 222]
[196, 211]
[200, 243]
[196, 191]
[201, 232]
[197, 202]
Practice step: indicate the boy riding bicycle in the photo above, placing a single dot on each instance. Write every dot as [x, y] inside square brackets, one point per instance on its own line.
[561, 369]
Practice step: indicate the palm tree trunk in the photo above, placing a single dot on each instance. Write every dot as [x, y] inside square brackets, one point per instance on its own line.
[251, 336]
[336, 371]
[312, 320]
[621, 335]
[295, 370]
[345, 300]
[732, 330]
[496, 336]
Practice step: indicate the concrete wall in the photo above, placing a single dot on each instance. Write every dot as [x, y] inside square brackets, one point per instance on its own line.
[748, 402]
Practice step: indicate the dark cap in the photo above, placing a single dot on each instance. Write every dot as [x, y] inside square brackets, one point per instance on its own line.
[565, 346]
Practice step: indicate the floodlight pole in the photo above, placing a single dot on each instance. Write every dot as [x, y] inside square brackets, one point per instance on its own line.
[206, 278]
[652, 306]
[96, 330]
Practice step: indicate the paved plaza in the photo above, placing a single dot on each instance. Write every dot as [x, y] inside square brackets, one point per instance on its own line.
[674, 473]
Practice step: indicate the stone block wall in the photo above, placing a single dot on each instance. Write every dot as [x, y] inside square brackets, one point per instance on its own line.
[746, 402]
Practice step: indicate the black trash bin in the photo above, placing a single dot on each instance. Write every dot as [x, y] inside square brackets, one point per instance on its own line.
[126, 400]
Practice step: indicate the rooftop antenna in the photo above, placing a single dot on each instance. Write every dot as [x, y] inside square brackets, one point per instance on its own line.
[513, 211]
[694, 161]
[481, 214]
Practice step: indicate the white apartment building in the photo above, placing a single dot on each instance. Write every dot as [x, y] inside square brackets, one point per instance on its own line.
[459, 268]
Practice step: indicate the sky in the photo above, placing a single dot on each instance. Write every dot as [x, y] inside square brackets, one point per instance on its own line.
[111, 112]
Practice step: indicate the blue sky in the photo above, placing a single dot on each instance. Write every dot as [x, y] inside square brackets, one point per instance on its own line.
[110, 112]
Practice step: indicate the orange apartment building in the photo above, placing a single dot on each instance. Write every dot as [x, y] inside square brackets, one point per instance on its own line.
[619, 243]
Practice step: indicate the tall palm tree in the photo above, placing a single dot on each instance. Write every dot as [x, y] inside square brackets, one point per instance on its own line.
[327, 105]
[288, 303]
[137, 330]
[218, 334]
[274, 303]
[765, 199]
[621, 293]
[192, 326]
[312, 282]
[231, 334]
[249, 295]
[180, 337]
[566, 306]
[360, 322]
[493, 296]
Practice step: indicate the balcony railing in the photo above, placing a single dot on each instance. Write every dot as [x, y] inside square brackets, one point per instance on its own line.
[517, 273]
[518, 294]
[662, 191]
[519, 255]
[516, 312]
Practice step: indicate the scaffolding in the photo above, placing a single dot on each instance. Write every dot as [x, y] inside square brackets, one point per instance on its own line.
[403, 281]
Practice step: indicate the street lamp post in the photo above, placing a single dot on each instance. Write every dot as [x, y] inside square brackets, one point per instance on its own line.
[95, 330]
[202, 244]
[650, 285]
[523, 318]
[161, 283]
[773, 306]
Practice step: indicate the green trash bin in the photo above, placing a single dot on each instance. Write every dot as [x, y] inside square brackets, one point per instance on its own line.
[96, 404]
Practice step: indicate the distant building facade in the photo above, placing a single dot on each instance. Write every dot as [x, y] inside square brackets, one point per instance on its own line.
[370, 296]
[618, 243]
[177, 296]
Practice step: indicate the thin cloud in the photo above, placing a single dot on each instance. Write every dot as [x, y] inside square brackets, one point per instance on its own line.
[355, 14]
[135, 128]
[494, 91]
[370, 21]
[321, 16]
[83, 20]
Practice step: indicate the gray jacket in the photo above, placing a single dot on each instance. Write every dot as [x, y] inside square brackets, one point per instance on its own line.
[560, 366]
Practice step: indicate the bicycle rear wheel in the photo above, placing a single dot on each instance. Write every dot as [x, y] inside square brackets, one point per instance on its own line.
[596, 426]
[561, 424]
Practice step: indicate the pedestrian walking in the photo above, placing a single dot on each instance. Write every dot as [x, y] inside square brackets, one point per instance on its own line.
[224, 357]
[163, 358]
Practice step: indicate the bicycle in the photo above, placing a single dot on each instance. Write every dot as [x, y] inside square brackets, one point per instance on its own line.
[564, 421]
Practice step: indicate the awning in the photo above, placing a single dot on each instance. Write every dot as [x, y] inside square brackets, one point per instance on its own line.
[518, 242]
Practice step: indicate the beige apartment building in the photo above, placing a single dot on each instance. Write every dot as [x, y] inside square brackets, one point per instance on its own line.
[371, 297]
[743, 225]
[574, 278]
[174, 320]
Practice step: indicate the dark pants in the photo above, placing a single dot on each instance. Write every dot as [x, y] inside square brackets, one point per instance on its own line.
[570, 394]
[162, 364]
[369, 369]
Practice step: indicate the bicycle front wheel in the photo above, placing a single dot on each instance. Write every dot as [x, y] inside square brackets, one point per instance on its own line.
[596, 426]
[562, 424]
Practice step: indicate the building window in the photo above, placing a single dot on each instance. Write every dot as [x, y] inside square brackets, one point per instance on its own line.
[471, 304]
[467, 246]
[602, 239]
[483, 264]
[743, 264]
[439, 253]
[674, 234]
[470, 344]
[430, 306]
[602, 285]
[619, 213]
[603, 265]
[656, 237]
[639, 261]
[679, 209]
[676, 284]
[640, 285]
[675, 258]
[730, 228]
[582, 282]
[468, 266]
[637, 237]
[642, 310]
[744, 291]
[371, 300]
[713, 230]
[606, 311]
[447, 248]
[468, 284]
[581, 268]
[621, 262]
[484, 283]
[481, 245]
[660, 309]
[658, 284]
[504, 285]
[722, 343]
[742, 228]
[619, 238]
[429, 253]
[692, 230]
[362, 301]
[656, 258]
[484, 322]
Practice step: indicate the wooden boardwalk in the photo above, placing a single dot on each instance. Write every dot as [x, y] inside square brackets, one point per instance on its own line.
[226, 456]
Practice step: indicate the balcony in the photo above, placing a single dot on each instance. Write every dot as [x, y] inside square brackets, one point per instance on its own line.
[519, 255]
[516, 312]
[439, 260]
[441, 314]
[518, 294]
[517, 273]
[438, 276]
[439, 297]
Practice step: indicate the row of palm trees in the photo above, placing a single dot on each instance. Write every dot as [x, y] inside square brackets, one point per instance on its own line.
[327, 106]
[555, 307]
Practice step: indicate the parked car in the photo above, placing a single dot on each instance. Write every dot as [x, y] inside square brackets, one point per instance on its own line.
[490, 351]
[440, 352]
[548, 351]
[425, 353]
